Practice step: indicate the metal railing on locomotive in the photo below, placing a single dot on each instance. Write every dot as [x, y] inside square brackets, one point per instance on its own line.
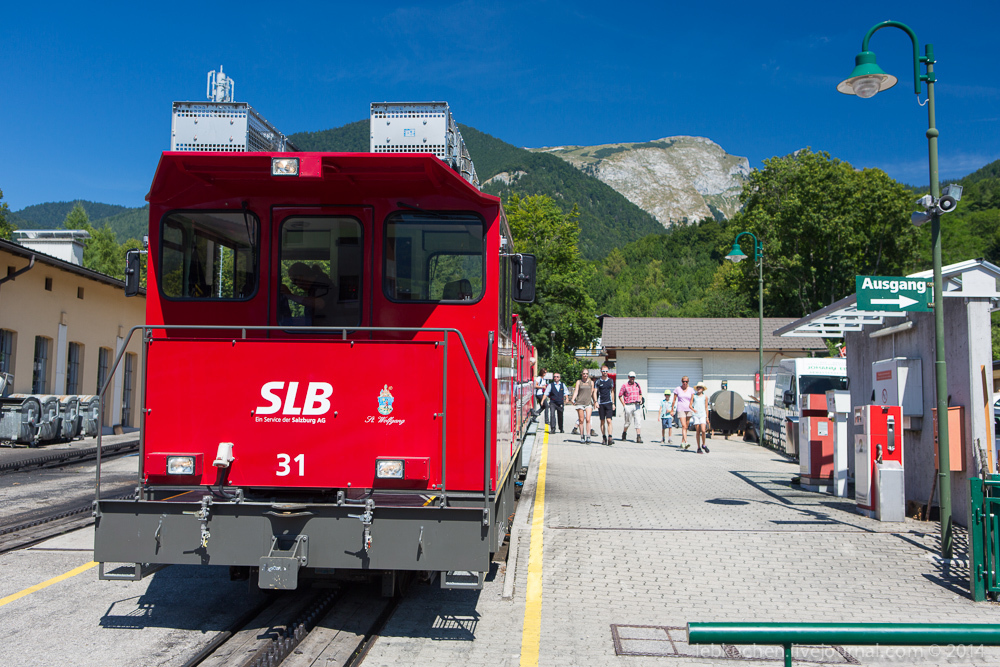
[486, 390]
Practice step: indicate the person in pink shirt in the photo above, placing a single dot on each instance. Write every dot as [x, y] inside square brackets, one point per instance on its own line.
[682, 404]
[631, 398]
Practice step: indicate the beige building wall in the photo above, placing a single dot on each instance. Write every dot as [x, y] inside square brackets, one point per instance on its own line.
[737, 367]
[67, 307]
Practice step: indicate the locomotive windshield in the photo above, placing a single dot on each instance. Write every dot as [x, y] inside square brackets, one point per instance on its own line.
[321, 260]
[208, 255]
[434, 257]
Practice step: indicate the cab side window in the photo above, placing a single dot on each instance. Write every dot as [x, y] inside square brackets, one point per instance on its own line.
[207, 255]
[433, 257]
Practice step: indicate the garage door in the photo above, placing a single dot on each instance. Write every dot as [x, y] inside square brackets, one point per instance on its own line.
[663, 374]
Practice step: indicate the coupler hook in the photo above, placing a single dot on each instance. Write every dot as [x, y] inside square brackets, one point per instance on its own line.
[366, 521]
[203, 515]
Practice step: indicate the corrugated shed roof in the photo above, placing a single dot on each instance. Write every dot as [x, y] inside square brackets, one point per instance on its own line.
[700, 333]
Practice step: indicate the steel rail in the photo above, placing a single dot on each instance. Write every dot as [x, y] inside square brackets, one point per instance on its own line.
[841, 634]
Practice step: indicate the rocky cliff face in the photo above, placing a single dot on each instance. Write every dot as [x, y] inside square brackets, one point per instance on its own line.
[672, 179]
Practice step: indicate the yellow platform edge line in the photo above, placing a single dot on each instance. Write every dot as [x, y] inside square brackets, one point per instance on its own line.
[46, 584]
[531, 634]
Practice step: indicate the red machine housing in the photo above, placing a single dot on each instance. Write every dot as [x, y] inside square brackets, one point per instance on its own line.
[881, 439]
[815, 442]
[443, 386]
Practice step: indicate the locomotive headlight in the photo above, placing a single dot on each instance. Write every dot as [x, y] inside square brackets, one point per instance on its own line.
[389, 469]
[284, 166]
[180, 465]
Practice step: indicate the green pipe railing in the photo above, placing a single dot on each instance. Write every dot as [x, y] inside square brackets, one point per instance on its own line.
[843, 634]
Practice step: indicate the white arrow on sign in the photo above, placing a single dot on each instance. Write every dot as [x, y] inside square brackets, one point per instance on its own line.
[900, 301]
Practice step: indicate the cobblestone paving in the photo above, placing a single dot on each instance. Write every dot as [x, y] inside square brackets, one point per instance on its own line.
[645, 534]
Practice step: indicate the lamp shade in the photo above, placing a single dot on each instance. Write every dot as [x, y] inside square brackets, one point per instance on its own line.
[867, 79]
[736, 255]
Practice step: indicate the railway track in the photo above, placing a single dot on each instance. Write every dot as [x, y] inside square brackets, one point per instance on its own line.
[308, 628]
[27, 532]
[66, 456]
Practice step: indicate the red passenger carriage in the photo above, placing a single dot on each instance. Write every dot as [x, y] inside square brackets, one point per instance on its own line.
[334, 377]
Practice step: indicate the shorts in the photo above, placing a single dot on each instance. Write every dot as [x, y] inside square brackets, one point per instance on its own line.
[606, 410]
[584, 406]
[668, 421]
[700, 418]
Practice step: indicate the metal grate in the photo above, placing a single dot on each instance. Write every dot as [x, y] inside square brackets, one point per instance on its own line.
[227, 127]
[421, 127]
[664, 641]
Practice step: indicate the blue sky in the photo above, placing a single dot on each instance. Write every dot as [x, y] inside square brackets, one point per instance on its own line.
[88, 86]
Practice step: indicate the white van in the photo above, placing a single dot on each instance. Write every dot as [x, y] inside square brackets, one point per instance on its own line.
[807, 376]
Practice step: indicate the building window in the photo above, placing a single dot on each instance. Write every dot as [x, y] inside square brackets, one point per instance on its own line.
[127, 390]
[103, 364]
[40, 370]
[6, 351]
[79, 292]
[48, 284]
[73, 362]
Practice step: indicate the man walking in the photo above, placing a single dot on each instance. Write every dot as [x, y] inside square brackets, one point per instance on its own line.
[605, 404]
[556, 395]
[682, 404]
[631, 398]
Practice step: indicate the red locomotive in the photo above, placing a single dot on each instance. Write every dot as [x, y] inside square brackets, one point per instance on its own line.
[334, 379]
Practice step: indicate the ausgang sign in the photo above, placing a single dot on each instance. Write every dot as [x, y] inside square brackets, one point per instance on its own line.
[893, 294]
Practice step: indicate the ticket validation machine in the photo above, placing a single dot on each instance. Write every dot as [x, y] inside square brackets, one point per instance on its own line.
[878, 462]
[838, 405]
[815, 443]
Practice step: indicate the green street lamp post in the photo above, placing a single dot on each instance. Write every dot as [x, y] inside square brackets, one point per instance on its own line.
[865, 81]
[736, 255]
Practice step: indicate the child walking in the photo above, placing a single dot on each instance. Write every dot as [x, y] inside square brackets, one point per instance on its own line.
[667, 419]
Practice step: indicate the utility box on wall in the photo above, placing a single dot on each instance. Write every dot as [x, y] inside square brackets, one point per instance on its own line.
[956, 438]
[897, 381]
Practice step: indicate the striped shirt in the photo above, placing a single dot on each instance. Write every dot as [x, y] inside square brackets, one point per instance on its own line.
[631, 392]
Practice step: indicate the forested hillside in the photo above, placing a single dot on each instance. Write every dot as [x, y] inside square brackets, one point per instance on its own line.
[607, 219]
[682, 273]
[124, 221]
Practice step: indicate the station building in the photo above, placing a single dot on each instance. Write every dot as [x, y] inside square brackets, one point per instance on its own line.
[721, 352]
[62, 325]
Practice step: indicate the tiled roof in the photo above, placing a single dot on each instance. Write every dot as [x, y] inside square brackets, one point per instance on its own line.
[700, 333]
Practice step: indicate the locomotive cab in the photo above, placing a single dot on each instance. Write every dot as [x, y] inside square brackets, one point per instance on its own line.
[334, 378]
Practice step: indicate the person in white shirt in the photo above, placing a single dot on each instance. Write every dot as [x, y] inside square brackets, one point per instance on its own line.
[699, 408]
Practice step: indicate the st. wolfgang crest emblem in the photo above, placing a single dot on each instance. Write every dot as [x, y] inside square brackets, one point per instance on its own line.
[385, 399]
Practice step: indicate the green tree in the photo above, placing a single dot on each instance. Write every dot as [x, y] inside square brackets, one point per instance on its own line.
[101, 252]
[77, 218]
[822, 223]
[6, 228]
[562, 303]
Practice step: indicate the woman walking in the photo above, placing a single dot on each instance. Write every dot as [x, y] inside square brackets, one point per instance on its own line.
[699, 406]
[584, 395]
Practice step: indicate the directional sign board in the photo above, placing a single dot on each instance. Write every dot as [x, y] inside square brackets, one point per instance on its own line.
[889, 293]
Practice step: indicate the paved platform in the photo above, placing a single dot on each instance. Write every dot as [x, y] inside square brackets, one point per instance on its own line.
[641, 539]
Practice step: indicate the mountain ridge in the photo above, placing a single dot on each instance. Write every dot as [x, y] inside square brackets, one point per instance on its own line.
[676, 179]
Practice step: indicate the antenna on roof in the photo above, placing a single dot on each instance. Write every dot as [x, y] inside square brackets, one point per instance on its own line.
[221, 88]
